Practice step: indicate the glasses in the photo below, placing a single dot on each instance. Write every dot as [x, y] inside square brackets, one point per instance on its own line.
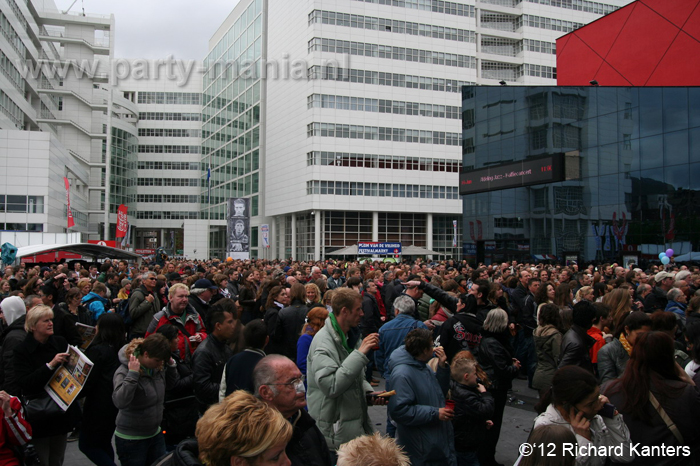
[296, 381]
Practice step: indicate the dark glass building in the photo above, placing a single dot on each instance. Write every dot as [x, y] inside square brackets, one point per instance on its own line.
[628, 159]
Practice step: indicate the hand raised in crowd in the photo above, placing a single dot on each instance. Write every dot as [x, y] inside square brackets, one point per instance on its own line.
[134, 364]
[5, 403]
[370, 342]
[440, 354]
[149, 298]
[580, 424]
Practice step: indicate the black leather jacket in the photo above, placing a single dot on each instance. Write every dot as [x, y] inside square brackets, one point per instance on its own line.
[575, 349]
[496, 358]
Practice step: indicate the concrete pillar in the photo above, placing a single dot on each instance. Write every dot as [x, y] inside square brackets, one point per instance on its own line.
[429, 234]
[294, 237]
[375, 226]
[317, 235]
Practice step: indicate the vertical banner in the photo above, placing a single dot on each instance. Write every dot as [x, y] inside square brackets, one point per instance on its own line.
[70, 220]
[265, 230]
[238, 231]
[454, 233]
[122, 221]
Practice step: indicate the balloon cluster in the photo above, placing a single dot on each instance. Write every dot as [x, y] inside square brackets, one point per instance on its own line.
[665, 257]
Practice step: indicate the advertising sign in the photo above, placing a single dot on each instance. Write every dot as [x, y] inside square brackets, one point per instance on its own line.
[538, 170]
[382, 249]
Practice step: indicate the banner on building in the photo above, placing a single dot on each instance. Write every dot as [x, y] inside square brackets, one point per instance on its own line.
[265, 230]
[122, 222]
[71, 222]
[238, 231]
[454, 233]
[380, 249]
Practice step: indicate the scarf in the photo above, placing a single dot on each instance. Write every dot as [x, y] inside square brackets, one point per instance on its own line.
[336, 327]
[626, 344]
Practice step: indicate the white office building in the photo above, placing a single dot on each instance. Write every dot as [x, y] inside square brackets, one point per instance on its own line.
[354, 132]
[59, 119]
[168, 175]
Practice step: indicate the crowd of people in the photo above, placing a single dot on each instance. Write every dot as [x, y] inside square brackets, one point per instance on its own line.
[277, 362]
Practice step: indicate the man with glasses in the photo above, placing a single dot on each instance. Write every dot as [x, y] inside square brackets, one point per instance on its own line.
[143, 305]
[279, 383]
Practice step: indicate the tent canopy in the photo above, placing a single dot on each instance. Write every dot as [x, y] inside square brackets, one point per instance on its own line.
[405, 251]
[84, 249]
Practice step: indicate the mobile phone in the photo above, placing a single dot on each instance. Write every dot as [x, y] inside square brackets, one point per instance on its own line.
[608, 410]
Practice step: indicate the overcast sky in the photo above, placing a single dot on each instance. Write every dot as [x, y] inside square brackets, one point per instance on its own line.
[158, 28]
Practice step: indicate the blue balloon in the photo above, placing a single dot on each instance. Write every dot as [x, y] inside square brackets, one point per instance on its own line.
[662, 255]
[665, 260]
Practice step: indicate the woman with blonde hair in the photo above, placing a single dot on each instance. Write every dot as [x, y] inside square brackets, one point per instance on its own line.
[372, 450]
[315, 320]
[84, 286]
[243, 431]
[620, 304]
[585, 292]
[313, 295]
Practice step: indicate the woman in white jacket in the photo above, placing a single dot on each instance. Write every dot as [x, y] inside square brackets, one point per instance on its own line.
[575, 401]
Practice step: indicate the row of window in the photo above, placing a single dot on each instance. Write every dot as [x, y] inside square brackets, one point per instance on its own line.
[336, 130]
[171, 98]
[540, 46]
[548, 23]
[392, 162]
[318, 44]
[143, 165]
[10, 71]
[169, 215]
[155, 149]
[350, 188]
[168, 198]
[11, 35]
[22, 226]
[382, 106]
[436, 6]
[170, 116]
[22, 204]
[539, 71]
[170, 133]
[388, 25]
[579, 5]
[18, 13]
[11, 110]
[330, 73]
[193, 182]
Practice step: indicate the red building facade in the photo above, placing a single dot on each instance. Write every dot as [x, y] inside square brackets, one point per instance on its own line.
[646, 43]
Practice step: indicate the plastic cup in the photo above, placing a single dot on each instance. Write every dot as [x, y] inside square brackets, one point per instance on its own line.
[450, 404]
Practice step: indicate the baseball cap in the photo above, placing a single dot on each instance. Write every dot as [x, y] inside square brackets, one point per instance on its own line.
[661, 275]
[204, 283]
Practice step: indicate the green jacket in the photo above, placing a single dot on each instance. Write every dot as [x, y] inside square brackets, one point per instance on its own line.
[337, 388]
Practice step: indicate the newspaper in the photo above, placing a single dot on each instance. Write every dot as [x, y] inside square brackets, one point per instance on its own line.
[69, 379]
[87, 333]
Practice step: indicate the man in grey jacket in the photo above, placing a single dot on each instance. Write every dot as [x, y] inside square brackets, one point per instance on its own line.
[143, 305]
[338, 391]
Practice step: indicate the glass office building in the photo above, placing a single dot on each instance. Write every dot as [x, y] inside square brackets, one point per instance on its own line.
[629, 183]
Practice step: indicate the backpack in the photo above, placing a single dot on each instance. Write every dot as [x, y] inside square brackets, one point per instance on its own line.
[123, 310]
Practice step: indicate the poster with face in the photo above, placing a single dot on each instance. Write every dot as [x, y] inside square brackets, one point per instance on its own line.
[238, 231]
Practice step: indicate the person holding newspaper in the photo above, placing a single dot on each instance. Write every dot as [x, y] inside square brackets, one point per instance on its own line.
[36, 360]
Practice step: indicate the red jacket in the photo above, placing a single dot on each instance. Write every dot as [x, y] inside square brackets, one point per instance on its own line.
[193, 326]
[15, 431]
